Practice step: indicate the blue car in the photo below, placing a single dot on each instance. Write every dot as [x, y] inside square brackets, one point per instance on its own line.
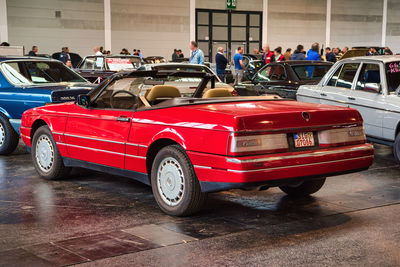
[29, 82]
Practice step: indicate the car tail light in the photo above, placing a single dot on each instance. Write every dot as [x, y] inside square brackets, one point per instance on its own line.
[341, 136]
[268, 143]
[234, 93]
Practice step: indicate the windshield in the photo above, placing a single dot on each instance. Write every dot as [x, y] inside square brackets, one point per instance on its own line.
[38, 72]
[310, 72]
[188, 68]
[113, 63]
[393, 76]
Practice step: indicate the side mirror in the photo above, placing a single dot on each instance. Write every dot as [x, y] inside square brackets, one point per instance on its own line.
[83, 100]
[374, 87]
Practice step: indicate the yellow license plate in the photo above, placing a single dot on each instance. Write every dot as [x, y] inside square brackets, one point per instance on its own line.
[305, 139]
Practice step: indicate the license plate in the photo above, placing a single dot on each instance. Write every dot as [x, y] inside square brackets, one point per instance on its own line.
[305, 139]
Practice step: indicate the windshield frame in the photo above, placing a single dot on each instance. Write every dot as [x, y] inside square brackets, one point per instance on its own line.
[39, 84]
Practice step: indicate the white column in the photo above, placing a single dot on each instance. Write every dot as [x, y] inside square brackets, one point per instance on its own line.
[3, 21]
[192, 20]
[328, 23]
[384, 23]
[107, 25]
[265, 23]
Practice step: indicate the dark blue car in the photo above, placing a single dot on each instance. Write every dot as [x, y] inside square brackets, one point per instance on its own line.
[29, 82]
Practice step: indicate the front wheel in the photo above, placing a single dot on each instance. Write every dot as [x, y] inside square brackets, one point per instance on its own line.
[46, 157]
[305, 188]
[174, 183]
[8, 136]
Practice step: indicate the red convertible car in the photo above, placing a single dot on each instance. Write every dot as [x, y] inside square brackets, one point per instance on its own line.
[186, 146]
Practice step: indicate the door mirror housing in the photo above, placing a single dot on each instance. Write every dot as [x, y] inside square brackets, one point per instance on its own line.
[83, 100]
[373, 87]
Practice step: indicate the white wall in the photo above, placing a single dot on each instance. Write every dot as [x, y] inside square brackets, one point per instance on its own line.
[33, 22]
[155, 27]
[293, 22]
[393, 25]
[356, 23]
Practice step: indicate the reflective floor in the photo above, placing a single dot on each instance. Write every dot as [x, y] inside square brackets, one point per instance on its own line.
[101, 220]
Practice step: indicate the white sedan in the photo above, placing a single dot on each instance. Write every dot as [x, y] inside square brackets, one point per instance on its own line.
[369, 84]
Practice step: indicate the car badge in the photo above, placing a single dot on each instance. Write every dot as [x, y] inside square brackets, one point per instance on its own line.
[306, 116]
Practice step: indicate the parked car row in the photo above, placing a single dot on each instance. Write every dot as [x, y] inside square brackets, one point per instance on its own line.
[179, 129]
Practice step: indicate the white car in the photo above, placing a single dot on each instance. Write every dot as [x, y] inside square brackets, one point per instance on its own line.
[369, 84]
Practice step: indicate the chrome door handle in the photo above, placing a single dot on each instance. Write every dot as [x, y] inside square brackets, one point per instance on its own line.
[124, 119]
[351, 98]
[322, 94]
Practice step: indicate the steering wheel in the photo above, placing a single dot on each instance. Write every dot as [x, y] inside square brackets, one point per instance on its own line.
[112, 99]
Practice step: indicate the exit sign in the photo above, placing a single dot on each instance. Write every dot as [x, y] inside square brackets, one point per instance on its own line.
[231, 4]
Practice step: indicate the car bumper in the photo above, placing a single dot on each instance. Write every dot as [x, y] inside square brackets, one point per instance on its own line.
[217, 173]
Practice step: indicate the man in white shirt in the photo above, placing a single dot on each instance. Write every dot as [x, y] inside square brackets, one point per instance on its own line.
[97, 52]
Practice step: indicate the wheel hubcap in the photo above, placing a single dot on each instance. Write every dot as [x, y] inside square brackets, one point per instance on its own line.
[44, 153]
[2, 134]
[170, 181]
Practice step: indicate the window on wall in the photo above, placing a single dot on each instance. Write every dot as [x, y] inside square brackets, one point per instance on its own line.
[227, 29]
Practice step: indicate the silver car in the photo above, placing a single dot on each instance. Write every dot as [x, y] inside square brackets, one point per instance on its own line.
[369, 84]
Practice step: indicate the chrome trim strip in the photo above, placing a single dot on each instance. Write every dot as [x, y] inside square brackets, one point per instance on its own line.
[57, 133]
[101, 150]
[95, 139]
[27, 137]
[202, 167]
[314, 154]
[295, 166]
[133, 144]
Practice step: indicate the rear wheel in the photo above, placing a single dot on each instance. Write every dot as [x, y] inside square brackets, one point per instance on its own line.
[304, 189]
[396, 148]
[174, 183]
[45, 155]
[8, 136]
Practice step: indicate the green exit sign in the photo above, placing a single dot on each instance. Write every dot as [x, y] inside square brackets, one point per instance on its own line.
[231, 4]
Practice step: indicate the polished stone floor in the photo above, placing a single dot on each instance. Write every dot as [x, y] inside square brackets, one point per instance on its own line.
[96, 219]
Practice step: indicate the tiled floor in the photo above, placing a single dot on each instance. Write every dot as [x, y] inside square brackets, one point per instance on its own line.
[100, 220]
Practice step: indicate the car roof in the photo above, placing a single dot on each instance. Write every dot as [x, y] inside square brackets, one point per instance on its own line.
[383, 59]
[303, 62]
[4, 58]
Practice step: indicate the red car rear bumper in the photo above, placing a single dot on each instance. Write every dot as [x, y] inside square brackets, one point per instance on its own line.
[220, 173]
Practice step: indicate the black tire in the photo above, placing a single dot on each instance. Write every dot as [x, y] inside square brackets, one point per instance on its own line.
[56, 169]
[305, 188]
[8, 136]
[396, 148]
[189, 199]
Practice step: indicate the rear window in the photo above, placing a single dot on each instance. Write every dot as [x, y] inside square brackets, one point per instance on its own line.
[311, 72]
[393, 76]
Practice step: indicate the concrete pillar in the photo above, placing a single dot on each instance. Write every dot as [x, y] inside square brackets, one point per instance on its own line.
[192, 20]
[384, 23]
[3, 21]
[328, 23]
[107, 25]
[265, 23]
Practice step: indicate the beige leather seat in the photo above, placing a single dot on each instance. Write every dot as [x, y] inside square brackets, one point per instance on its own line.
[218, 92]
[162, 91]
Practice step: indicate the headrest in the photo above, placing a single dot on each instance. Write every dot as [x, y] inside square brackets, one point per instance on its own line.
[218, 92]
[163, 91]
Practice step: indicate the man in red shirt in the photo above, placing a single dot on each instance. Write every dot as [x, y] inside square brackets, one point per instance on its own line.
[267, 54]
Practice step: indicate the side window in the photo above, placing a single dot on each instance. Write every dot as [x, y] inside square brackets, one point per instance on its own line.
[93, 63]
[347, 74]
[266, 73]
[120, 94]
[333, 80]
[369, 74]
[278, 74]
